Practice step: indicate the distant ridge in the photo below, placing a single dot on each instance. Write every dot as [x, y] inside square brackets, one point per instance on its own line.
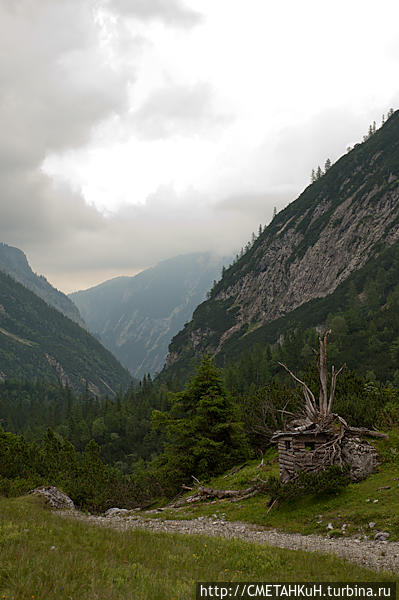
[136, 317]
[14, 262]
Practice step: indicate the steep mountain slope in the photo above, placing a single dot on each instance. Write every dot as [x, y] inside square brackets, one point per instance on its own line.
[37, 341]
[14, 262]
[136, 317]
[338, 224]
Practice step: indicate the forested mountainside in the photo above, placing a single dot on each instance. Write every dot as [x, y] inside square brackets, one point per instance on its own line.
[39, 342]
[339, 228]
[14, 262]
[136, 317]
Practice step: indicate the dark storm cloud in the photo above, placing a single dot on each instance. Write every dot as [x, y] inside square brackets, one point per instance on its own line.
[172, 12]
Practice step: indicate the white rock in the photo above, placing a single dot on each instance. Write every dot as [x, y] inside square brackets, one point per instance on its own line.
[371, 524]
[116, 512]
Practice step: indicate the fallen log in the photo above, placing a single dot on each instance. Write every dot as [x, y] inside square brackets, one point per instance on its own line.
[202, 494]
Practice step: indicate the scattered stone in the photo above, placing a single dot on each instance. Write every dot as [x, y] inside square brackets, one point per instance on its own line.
[116, 512]
[53, 547]
[381, 536]
[371, 524]
[367, 499]
[54, 497]
[330, 526]
[376, 500]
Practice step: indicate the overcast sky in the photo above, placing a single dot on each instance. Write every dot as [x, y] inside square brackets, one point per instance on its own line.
[136, 130]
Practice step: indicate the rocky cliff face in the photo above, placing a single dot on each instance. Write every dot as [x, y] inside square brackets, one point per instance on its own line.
[14, 262]
[335, 226]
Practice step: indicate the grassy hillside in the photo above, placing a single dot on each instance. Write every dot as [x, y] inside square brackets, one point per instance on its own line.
[45, 556]
[38, 342]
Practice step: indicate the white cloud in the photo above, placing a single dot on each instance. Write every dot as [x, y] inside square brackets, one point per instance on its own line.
[172, 126]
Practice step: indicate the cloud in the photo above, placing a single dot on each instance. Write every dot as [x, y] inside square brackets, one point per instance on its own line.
[177, 110]
[58, 83]
[259, 206]
[55, 86]
[69, 75]
[171, 12]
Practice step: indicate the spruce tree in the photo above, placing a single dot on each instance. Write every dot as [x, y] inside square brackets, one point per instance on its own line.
[203, 437]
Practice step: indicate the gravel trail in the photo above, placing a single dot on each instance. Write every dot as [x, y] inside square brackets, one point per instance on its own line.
[379, 556]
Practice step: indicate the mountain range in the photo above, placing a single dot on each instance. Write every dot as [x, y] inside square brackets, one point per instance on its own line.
[333, 251]
[136, 317]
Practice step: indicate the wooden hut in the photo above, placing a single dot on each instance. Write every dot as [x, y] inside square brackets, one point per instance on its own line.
[320, 438]
[298, 451]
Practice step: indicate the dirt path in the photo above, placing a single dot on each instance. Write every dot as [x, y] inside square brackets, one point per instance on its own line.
[379, 556]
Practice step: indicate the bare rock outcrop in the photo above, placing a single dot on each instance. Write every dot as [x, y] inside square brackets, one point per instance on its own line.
[54, 497]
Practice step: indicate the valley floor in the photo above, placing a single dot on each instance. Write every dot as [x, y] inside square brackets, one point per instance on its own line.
[379, 556]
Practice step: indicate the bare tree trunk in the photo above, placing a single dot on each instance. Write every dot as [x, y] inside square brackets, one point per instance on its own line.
[323, 409]
[323, 397]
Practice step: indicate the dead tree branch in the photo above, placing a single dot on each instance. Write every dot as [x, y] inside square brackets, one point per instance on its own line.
[310, 401]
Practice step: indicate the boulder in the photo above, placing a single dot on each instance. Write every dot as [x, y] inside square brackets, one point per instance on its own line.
[54, 497]
[361, 457]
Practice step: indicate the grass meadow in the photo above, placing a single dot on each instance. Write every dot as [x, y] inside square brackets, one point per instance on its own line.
[46, 557]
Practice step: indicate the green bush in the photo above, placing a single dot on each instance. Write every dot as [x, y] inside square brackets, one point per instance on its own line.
[328, 481]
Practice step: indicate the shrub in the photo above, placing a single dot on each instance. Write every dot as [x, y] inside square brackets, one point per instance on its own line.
[328, 481]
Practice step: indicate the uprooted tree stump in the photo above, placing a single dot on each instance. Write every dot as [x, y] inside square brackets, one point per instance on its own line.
[319, 438]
